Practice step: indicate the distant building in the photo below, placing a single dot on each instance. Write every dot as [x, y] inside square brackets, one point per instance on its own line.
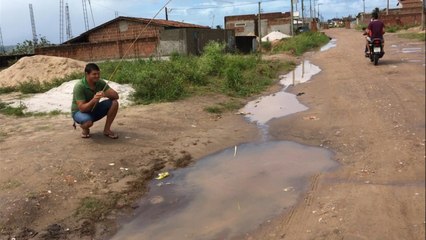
[408, 13]
[131, 37]
[246, 27]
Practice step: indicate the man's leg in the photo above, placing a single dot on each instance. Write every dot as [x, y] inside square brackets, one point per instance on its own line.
[86, 121]
[112, 112]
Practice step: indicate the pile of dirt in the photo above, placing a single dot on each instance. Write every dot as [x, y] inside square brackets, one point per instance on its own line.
[39, 68]
[274, 36]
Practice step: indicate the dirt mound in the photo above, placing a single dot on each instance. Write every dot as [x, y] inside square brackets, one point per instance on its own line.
[39, 68]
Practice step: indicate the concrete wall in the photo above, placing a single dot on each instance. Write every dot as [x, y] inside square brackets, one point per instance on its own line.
[197, 39]
[247, 25]
[172, 41]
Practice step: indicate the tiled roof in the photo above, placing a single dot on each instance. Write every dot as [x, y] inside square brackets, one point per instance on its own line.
[157, 22]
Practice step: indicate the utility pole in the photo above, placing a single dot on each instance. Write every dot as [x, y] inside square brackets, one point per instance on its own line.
[116, 14]
[86, 19]
[259, 28]
[2, 50]
[291, 19]
[61, 21]
[33, 25]
[303, 14]
[387, 8]
[363, 3]
[68, 22]
[423, 15]
[315, 12]
[91, 12]
[167, 13]
[310, 9]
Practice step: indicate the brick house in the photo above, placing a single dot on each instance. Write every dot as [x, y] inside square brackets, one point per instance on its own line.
[408, 13]
[113, 40]
[246, 27]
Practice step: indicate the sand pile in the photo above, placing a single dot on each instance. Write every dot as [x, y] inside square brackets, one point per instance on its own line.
[59, 99]
[273, 36]
[39, 68]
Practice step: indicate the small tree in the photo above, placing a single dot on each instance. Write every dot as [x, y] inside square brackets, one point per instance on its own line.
[27, 46]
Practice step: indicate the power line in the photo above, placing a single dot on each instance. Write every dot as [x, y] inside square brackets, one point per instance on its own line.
[224, 6]
[68, 22]
[61, 21]
[33, 24]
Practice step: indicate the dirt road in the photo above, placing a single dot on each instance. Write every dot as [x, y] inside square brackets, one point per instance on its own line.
[373, 118]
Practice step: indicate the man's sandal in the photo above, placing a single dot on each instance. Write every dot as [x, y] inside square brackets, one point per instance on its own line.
[85, 134]
[111, 135]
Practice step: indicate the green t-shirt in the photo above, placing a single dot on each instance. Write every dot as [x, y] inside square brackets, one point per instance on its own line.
[82, 92]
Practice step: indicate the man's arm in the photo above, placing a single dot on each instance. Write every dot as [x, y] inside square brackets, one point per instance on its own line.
[111, 94]
[88, 106]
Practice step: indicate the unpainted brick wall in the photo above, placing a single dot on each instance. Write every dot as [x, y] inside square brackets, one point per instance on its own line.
[123, 30]
[145, 47]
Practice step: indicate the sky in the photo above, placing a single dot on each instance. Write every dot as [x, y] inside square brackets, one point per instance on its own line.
[15, 20]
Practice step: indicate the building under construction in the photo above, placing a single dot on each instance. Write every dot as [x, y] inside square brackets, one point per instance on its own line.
[131, 37]
[408, 13]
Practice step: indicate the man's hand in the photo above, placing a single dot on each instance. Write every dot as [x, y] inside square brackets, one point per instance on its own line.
[98, 96]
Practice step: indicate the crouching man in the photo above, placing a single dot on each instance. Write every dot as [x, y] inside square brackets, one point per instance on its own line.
[86, 106]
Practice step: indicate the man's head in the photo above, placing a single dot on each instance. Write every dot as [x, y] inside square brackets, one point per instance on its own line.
[92, 72]
[375, 13]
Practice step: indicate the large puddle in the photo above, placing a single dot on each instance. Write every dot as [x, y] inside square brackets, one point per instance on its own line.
[282, 103]
[232, 192]
[227, 194]
[331, 44]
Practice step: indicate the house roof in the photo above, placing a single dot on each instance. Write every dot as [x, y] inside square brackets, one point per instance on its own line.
[155, 22]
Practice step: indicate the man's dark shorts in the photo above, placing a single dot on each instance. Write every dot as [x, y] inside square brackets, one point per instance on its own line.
[98, 113]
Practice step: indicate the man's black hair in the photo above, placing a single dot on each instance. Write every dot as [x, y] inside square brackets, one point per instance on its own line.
[375, 13]
[91, 67]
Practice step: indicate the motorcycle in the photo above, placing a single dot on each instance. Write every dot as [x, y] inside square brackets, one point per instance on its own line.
[376, 50]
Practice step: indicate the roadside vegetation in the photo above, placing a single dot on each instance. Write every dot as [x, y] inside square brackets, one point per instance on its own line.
[19, 111]
[29, 87]
[214, 72]
[414, 36]
[301, 43]
[397, 28]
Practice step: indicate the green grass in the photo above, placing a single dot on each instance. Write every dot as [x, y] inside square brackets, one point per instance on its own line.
[19, 111]
[32, 86]
[361, 26]
[397, 28]
[227, 106]
[37, 87]
[12, 111]
[95, 208]
[4, 90]
[214, 71]
[416, 36]
[301, 43]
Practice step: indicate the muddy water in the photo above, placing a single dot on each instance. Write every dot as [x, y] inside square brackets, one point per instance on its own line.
[329, 45]
[232, 192]
[282, 103]
[227, 194]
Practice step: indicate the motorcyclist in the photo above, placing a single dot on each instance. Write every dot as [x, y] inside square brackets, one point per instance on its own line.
[376, 28]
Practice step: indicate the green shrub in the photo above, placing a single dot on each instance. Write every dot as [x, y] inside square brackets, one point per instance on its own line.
[12, 111]
[417, 36]
[301, 43]
[267, 46]
[181, 76]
